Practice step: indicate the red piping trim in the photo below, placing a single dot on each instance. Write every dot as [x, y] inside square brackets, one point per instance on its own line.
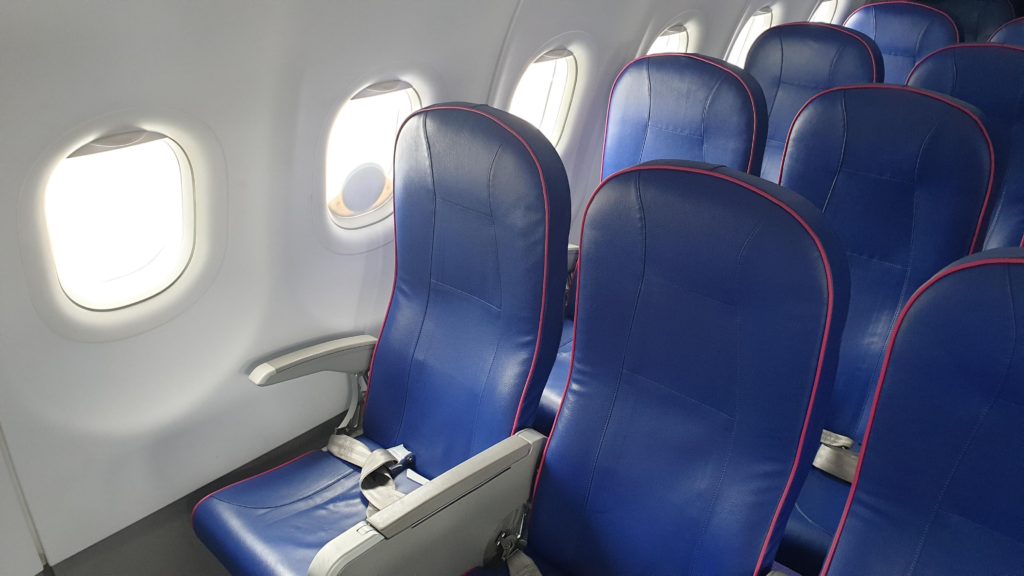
[881, 382]
[837, 28]
[933, 96]
[958, 47]
[750, 95]
[821, 352]
[952, 24]
[1013, 22]
[244, 480]
[544, 286]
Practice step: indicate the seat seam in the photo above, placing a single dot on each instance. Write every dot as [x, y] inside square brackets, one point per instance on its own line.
[625, 351]
[650, 110]
[430, 276]
[973, 435]
[289, 503]
[704, 120]
[842, 155]
[679, 393]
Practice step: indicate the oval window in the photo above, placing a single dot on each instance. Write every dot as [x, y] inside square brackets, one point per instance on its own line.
[120, 216]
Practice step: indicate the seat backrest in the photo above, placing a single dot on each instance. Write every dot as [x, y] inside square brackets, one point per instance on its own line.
[976, 19]
[905, 32]
[991, 78]
[705, 297]
[904, 177]
[1011, 33]
[481, 225]
[684, 107]
[793, 62]
[938, 488]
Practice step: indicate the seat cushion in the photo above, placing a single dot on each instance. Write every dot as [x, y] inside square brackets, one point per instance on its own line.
[904, 176]
[938, 487]
[274, 523]
[1011, 33]
[705, 308]
[793, 62]
[990, 77]
[481, 228]
[905, 32]
[684, 107]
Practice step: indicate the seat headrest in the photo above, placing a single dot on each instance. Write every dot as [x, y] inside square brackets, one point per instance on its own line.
[684, 107]
[1010, 33]
[976, 19]
[991, 78]
[905, 32]
[793, 62]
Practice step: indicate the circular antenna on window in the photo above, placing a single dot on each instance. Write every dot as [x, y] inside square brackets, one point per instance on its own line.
[364, 189]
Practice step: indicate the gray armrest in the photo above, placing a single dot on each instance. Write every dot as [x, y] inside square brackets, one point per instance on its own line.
[574, 255]
[445, 526]
[347, 355]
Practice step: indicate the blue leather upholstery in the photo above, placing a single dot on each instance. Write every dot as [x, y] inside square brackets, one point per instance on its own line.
[990, 77]
[793, 62]
[699, 371]
[1010, 33]
[684, 107]
[976, 19]
[906, 32]
[481, 223]
[903, 176]
[673, 107]
[938, 489]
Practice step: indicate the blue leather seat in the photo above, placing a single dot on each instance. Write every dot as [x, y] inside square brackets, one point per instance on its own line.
[938, 489]
[905, 32]
[976, 19]
[904, 176]
[990, 77]
[673, 107]
[707, 310]
[481, 222]
[1011, 33]
[793, 62]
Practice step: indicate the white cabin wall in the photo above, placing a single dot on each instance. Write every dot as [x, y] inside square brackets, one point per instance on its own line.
[111, 417]
[17, 552]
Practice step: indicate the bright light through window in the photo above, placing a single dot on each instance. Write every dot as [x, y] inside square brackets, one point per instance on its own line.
[825, 11]
[120, 219]
[545, 91]
[361, 153]
[754, 27]
[673, 40]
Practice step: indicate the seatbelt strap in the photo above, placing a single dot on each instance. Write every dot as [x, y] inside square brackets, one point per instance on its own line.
[519, 564]
[377, 469]
[837, 456]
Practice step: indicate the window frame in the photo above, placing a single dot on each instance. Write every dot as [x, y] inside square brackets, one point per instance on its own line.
[189, 215]
[385, 208]
[561, 118]
[832, 16]
[679, 28]
[743, 40]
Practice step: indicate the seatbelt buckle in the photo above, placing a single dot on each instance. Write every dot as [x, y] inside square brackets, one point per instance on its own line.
[513, 540]
[404, 460]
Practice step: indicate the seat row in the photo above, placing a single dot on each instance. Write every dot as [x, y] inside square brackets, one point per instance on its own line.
[710, 295]
[870, 176]
[713, 310]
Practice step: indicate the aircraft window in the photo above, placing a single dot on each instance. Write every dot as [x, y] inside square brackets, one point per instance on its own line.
[825, 11]
[120, 215]
[361, 153]
[673, 39]
[758, 23]
[545, 92]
